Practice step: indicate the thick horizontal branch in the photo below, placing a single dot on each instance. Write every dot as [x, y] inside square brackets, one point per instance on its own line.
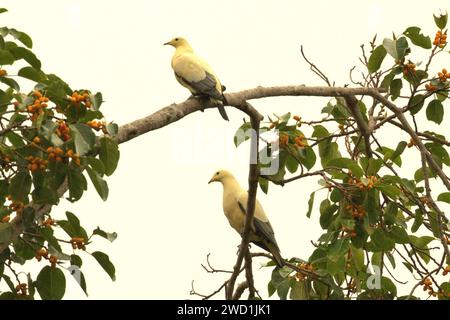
[175, 112]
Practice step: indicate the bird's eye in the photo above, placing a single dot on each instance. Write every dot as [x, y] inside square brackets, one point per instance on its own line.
[217, 173]
[176, 39]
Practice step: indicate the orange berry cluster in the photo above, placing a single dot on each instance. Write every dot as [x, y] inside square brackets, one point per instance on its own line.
[36, 163]
[440, 39]
[21, 289]
[55, 153]
[409, 68]
[3, 72]
[48, 223]
[76, 98]
[75, 158]
[372, 180]
[53, 260]
[63, 130]
[17, 207]
[428, 285]
[300, 141]
[6, 218]
[349, 233]
[78, 243]
[97, 125]
[443, 75]
[38, 106]
[305, 266]
[431, 87]
[357, 211]
[298, 119]
[36, 141]
[283, 140]
[42, 252]
[446, 270]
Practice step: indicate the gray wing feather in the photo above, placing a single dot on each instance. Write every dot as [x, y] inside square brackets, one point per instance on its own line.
[206, 86]
[263, 229]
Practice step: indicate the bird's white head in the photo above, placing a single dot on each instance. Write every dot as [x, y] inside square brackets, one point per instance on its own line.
[220, 176]
[178, 42]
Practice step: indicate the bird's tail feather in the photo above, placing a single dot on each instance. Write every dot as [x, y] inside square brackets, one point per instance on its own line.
[222, 112]
[277, 256]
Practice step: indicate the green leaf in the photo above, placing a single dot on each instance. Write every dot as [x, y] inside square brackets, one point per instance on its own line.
[444, 197]
[418, 220]
[381, 240]
[10, 82]
[399, 150]
[399, 235]
[441, 21]
[358, 258]
[347, 163]
[413, 33]
[310, 204]
[6, 231]
[83, 136]
[109, 154]
[391, 191]
[100, 185]
[390, 213]
[326, 213]
[300, 291]
[22, 37]
[27, 55]
[416, 103]
[243, 133]
[77, 184]
[396, 48]
[75, 260]
[107, 235]
[96, 100]
[3, 10]
[51, 283]
[6, 57]
[435, 111]
[105, 263]
[376, 58]
[20, 187]
[263, 184]
[395, 88]
[327, 149]
[32, 74]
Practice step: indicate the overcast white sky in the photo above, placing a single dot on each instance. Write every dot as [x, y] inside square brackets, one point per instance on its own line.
[166, 215]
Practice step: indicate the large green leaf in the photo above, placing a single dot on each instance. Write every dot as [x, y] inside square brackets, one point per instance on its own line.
[106, 264]
[310, 204]
[20, 186]
[413, 33]
[100, 185]
[376, 58]
[77, 183]
[435, 111]
[441, 20]
[51, 283]
[83, 136]
[6, 57]
[27, 55]
[396, 48]
[6, 231]
[32, 74]
[109, 154]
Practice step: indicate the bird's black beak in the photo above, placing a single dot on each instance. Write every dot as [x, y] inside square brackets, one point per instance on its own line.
[210, 181]
[167, 43]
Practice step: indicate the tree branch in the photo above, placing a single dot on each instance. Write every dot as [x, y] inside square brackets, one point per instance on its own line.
[175, 112]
